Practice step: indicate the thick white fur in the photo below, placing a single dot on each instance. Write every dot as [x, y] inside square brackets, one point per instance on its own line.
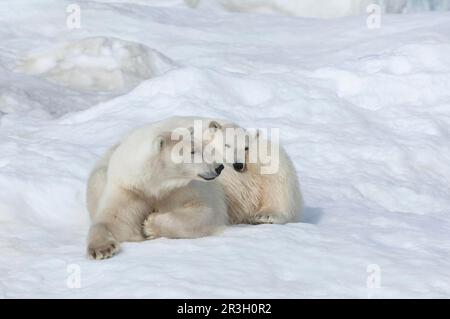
[136, 192]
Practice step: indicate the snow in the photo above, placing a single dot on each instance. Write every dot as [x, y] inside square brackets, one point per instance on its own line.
[98, 63]
[320, 8]
[363, 113]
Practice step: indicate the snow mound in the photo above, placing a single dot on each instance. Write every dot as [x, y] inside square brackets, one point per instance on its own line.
[403, 74]
[320, 8]
[98, 63]
[307, 8]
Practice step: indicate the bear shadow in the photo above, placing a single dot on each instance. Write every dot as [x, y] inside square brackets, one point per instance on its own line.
[311, 215]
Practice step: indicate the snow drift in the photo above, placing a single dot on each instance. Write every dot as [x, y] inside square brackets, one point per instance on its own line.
[98, 63]
[300, 8]
[320, 8]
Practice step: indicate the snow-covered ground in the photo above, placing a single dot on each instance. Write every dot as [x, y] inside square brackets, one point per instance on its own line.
[317, 8]
[364, 114]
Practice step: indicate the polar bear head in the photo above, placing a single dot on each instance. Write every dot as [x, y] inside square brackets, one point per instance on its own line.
[244, 149]
[230, 144]
[152, 159]
[174, 160]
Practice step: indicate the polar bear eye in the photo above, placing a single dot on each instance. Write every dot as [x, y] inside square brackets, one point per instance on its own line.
[192, 152]
[246, 148]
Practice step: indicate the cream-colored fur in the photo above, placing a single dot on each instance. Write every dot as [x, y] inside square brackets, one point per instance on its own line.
[257, 198]
[137, 192]
[252, 195]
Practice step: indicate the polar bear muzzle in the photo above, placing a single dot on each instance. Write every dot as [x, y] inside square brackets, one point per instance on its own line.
[212, 175]
[239, 167]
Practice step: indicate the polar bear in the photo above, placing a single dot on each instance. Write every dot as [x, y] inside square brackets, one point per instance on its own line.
[137, 182]
[255, 195]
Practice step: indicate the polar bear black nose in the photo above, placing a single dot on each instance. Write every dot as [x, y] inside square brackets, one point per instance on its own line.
[219, 169]
[238, 166]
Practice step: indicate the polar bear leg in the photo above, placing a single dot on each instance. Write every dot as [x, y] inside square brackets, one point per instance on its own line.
[102, 243]
[190, 222]
[269, 216]
[97, 182]
[96, 185]
[118, 219]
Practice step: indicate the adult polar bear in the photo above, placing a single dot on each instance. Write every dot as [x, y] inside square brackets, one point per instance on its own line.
[137, 177]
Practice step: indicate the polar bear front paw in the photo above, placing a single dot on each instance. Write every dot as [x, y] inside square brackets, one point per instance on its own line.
[264, 219]
[103, 249]
[148, 230]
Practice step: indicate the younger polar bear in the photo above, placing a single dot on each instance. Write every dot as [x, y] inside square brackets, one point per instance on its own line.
[257, 191]
[138, 176]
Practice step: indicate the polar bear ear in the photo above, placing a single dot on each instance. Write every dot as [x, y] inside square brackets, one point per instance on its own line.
[161, 141]
[215, 125]
[253, 135]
